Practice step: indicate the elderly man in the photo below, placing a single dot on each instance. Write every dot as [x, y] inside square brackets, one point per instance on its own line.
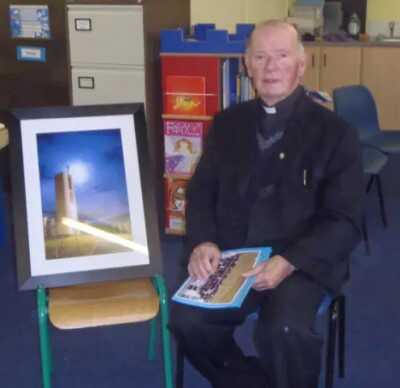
[279, 171]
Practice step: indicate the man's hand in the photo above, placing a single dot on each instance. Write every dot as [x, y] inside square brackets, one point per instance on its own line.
[204, 260]
[271, 273]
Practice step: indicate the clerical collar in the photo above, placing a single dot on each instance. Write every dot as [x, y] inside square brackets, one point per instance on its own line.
[270, 110]
[285, 107]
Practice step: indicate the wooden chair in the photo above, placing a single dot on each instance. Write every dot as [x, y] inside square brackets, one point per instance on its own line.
[100, 304]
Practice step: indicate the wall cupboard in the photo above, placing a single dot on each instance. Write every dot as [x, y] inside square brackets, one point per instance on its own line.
[376, 67]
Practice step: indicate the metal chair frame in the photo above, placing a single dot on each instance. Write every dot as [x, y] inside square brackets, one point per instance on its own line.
[374, 178]
[45, 343]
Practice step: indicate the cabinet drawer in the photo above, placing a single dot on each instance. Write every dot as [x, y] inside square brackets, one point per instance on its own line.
[106, 34]
[107, 86]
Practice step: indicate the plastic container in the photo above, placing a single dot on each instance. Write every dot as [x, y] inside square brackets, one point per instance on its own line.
[354, 26]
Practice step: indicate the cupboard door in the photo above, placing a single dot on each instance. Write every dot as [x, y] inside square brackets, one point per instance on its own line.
[380, 75]
[340, 66]
[311, 76]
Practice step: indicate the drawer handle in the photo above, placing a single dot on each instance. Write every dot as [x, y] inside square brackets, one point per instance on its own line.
[83, 24]
[313, 61]
[324, 60]
[86, 82]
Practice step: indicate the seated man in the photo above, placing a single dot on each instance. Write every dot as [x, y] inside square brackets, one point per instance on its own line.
[279, 171]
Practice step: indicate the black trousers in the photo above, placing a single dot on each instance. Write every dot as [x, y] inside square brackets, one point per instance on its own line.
[288, 348]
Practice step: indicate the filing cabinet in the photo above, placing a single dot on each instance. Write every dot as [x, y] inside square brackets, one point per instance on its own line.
[106, 53]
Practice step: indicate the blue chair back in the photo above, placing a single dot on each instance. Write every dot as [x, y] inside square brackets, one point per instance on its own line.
[356, 105]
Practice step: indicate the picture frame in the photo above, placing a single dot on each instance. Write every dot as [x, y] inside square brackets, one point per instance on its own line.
[29, 21]
[84, 207]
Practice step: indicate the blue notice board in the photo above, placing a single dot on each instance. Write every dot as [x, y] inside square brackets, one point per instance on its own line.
[29, 21]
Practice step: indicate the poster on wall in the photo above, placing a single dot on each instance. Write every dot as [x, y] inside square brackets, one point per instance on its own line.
[86, 211]
[29, 21]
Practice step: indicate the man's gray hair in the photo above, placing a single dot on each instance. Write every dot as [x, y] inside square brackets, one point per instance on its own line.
[276, 23]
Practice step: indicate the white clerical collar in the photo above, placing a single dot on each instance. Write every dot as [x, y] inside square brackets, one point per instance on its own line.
[270, 110]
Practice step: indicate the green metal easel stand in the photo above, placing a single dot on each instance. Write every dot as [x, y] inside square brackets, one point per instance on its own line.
[159, 284]
[45, 344]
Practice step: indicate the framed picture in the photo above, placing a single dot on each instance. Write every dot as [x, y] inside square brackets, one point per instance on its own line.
[29, 21]
[82, 194]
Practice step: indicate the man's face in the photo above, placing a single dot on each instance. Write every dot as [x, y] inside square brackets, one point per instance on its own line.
[274, 62]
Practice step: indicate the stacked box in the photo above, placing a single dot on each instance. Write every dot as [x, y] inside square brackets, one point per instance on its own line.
[175, 204]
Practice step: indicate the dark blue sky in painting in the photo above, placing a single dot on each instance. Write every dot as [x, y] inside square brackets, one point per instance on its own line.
[95, 162]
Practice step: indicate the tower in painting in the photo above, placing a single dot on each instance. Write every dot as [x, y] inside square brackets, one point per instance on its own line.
[66, 205]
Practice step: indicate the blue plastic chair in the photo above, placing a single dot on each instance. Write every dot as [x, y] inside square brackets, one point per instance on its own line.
[357, 106]
[335, 340]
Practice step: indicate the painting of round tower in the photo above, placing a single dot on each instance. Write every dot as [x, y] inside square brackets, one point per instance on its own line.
[65, 203]
[85, 207]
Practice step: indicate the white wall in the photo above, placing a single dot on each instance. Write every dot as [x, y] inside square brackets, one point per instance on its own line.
[227, 13]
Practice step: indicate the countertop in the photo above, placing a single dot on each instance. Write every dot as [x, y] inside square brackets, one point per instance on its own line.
[352, 43]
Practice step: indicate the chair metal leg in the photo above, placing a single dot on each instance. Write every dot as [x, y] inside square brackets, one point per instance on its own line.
[166, 340]
[369, 183]
[381, 200]
[365, 234]
[151, 355]
[45, 350]
[331, 346]
[179, 373]
[341, 334]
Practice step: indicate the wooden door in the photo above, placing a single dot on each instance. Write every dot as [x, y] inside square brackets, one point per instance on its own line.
[311, 76]
[340, 66]
[380, 74]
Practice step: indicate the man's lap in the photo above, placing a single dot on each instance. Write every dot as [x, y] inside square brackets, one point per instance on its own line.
[296, 299]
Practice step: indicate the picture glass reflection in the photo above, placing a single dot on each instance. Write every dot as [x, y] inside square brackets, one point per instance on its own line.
[85, 208]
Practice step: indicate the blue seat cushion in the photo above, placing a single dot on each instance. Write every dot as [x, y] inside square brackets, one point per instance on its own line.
[387, 141]
[373, 160]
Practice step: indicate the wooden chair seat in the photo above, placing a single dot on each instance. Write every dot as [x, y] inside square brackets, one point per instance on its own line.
[101, 304]
[3, 136]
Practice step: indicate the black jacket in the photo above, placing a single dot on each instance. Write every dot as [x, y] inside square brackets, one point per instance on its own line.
[312, 214]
